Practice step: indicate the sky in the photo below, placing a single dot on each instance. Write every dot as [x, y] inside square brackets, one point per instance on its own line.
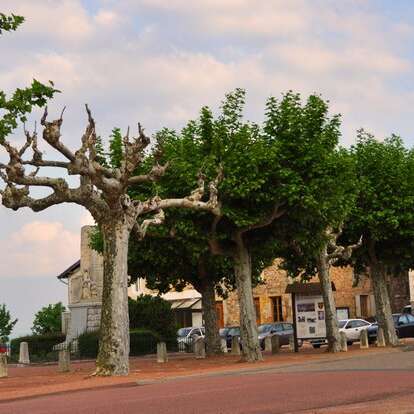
[158, 62]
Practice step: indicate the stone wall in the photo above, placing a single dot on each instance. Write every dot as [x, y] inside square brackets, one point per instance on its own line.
[399, 289]
[275, 282]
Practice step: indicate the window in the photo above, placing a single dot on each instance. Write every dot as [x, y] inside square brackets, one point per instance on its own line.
[364, 305]
[183, 318]
[257, 308]
[277, 309]
[410, 318]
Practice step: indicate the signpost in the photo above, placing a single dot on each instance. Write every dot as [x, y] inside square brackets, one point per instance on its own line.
[308, 311]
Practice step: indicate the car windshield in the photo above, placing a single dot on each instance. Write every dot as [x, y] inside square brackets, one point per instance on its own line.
[264, 328]
[341, 324]
[396, 317]
[223, 331]
[183, 332]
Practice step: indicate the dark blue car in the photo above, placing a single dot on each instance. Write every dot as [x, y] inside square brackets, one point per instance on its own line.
[404, 326]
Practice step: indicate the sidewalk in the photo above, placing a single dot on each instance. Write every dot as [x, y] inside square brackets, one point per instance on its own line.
[25, 382]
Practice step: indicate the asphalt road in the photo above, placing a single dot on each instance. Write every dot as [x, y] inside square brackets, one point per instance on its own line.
[286, 390]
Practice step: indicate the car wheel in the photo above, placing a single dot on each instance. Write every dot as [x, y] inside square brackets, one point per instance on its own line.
[349, 343]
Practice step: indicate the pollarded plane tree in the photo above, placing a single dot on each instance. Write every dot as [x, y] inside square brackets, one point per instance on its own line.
[309, 236]
[102, 191]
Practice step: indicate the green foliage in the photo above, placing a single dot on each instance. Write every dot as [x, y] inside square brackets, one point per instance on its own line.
[100, 152]
[116, 153]
[6, 323]
[384, 213]
[9, 23]
[142, 342]
[152, 313]
[40, 346]
[292, 161]
[48, 319]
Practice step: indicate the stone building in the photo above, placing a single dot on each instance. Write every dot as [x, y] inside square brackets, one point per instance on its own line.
[84, 280]
[273, 304]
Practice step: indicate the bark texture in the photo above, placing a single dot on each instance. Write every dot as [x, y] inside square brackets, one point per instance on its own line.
[382, 303]
[251, 351]
[208, 299]
[114, 333]
[331, 320]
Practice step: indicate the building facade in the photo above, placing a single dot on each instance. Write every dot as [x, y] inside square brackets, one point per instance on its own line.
[353, 296]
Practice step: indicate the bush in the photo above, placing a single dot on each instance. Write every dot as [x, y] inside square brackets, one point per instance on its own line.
[40, 346]
[142, 342]
[153, 313]
[48, 319]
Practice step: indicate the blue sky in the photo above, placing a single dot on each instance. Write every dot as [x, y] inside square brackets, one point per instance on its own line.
[158, 62]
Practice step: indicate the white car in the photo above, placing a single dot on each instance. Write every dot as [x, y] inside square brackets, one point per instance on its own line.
[353, 328]
[186, 336]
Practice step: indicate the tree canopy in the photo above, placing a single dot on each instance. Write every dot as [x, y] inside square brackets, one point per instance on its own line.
[48, 320]
[6, 323]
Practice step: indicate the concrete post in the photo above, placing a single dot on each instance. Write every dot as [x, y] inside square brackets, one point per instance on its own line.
[292, 343]
[199, 348]
[3, 365]
[162, 355]
[64, 360]
[223, 343]
[275, 343]
[24, 353]
[380, 338]
[268, 343]
[363, 339]
[344, 342]
[235, 346]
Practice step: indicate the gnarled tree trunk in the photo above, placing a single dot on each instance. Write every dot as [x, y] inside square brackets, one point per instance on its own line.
[248, 327]
[331, 320]
[208, 299]
[113, 357]
[382, 302]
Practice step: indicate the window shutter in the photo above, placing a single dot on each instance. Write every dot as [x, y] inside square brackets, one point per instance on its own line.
[372, 308]
[357, 306]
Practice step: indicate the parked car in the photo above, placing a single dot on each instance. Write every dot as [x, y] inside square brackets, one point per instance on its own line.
[4, 348]
[408, 309]
[352, 329]
[186, 336]
[403, 323]
[232, 331]
[283, 329]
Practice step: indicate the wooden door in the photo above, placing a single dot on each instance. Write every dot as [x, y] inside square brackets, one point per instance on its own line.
[220, 314]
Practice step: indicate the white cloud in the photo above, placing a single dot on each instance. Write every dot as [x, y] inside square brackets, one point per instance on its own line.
[38, 248]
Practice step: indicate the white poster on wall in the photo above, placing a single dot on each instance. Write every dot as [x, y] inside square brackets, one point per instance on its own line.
[310, 317]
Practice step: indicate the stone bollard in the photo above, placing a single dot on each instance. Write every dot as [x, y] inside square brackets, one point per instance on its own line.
[223, 344]
[268, 343]
[275, 342]
[162, 355]
[344, 342]
[363, 339]
[64, 360]
[292, 343]
[199, 348]
[235, 346]
[24, 353]
[3, 365]
[380, 338]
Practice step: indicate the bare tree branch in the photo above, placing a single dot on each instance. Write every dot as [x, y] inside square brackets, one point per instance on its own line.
[339, 252]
